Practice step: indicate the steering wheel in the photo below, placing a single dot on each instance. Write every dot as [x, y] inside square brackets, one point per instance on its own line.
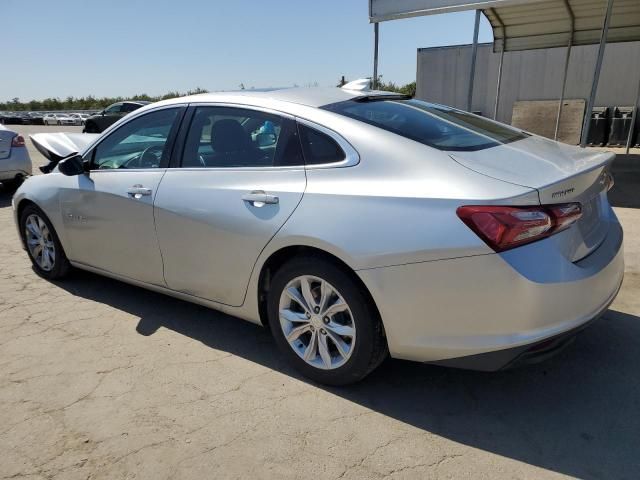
[149, 158]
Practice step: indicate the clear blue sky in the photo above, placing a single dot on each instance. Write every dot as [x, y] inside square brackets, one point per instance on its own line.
[122, 47]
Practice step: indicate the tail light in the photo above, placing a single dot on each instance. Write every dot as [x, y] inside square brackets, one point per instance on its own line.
[17, 141]
[505, 227]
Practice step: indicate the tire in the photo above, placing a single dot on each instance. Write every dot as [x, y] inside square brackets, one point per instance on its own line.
[366, 346]
[90, 127]
[59, 122]
[59, 266]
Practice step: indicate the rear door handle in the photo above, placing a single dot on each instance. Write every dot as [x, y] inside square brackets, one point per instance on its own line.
[258, 198]
[138, 191]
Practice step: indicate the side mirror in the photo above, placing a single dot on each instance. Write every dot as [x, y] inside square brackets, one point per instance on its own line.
[266, 139]
[71, 166]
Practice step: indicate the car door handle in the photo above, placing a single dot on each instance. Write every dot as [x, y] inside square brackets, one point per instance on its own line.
[138, 191]
[258, 198]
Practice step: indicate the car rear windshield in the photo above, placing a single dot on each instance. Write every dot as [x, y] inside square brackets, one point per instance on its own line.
[438, 126]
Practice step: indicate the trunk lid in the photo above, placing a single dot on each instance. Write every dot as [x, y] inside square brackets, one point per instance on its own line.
[561, 174]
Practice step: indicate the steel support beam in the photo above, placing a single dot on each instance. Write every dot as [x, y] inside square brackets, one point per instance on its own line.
[376, 38]
[572, 20]
[499, 81]
[474, 52]
[596, 74]
[498, 85]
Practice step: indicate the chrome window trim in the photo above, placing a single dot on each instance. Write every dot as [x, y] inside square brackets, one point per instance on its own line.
[351, 155]
[243, 106]
[351, 158]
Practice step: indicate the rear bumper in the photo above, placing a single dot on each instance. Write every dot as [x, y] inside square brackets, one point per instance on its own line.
[520, 356]
[502, 304]
[17, 164]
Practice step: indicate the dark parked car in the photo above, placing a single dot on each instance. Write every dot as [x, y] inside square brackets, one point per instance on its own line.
[100, 121]
[36, 119]
[13, 118]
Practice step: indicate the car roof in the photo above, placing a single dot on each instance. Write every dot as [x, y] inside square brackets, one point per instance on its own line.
[311, 97]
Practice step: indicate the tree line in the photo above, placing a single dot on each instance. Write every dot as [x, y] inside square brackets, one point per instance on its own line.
[96, 103]
[408, 89]
[87, 103]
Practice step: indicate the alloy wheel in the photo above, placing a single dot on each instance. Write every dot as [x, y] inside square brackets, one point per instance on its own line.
[317, 322]
[40, 242]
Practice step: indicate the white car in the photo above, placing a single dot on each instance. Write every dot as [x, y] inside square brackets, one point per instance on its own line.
[79, 118]
[58, 119]
[15, 163]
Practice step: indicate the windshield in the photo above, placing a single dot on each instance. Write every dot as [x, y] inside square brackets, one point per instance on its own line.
[438, 126]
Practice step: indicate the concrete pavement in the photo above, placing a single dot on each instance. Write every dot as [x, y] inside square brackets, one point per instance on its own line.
[99, 379]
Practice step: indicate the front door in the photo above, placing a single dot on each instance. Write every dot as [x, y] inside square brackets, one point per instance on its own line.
[242, 175]
[109, 215]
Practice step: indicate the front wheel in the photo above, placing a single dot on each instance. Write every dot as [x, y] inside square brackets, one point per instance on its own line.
[324, 322]
[43, 246]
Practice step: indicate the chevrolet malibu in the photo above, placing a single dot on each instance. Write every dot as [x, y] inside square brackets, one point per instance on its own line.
[353, 224]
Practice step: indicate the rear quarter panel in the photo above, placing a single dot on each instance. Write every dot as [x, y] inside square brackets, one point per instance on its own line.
[397, 205]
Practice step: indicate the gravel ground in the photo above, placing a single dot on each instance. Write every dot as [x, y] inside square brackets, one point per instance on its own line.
[99, 379]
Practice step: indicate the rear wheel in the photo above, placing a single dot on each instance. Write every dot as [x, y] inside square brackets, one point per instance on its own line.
[43, 246]
[324, 323]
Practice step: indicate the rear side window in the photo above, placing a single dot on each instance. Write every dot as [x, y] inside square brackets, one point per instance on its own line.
[438, 126]
[129, 107]
[230, 137]
[319, 148]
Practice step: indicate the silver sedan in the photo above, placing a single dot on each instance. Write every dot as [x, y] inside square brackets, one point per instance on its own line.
[355, 224]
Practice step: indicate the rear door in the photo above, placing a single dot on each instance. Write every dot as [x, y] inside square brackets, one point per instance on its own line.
[241, 176]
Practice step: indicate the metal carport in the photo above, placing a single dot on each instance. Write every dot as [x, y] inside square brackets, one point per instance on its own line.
[531, 24]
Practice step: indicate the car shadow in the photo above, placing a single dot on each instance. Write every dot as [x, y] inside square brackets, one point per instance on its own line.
[577, 414]
[6, 193]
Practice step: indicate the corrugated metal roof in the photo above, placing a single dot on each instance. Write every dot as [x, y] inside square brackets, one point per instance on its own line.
[529, 24]
[547, 23]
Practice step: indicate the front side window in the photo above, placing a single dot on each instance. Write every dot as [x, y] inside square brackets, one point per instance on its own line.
[438, 126]
[228, 137]
[139, 143]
